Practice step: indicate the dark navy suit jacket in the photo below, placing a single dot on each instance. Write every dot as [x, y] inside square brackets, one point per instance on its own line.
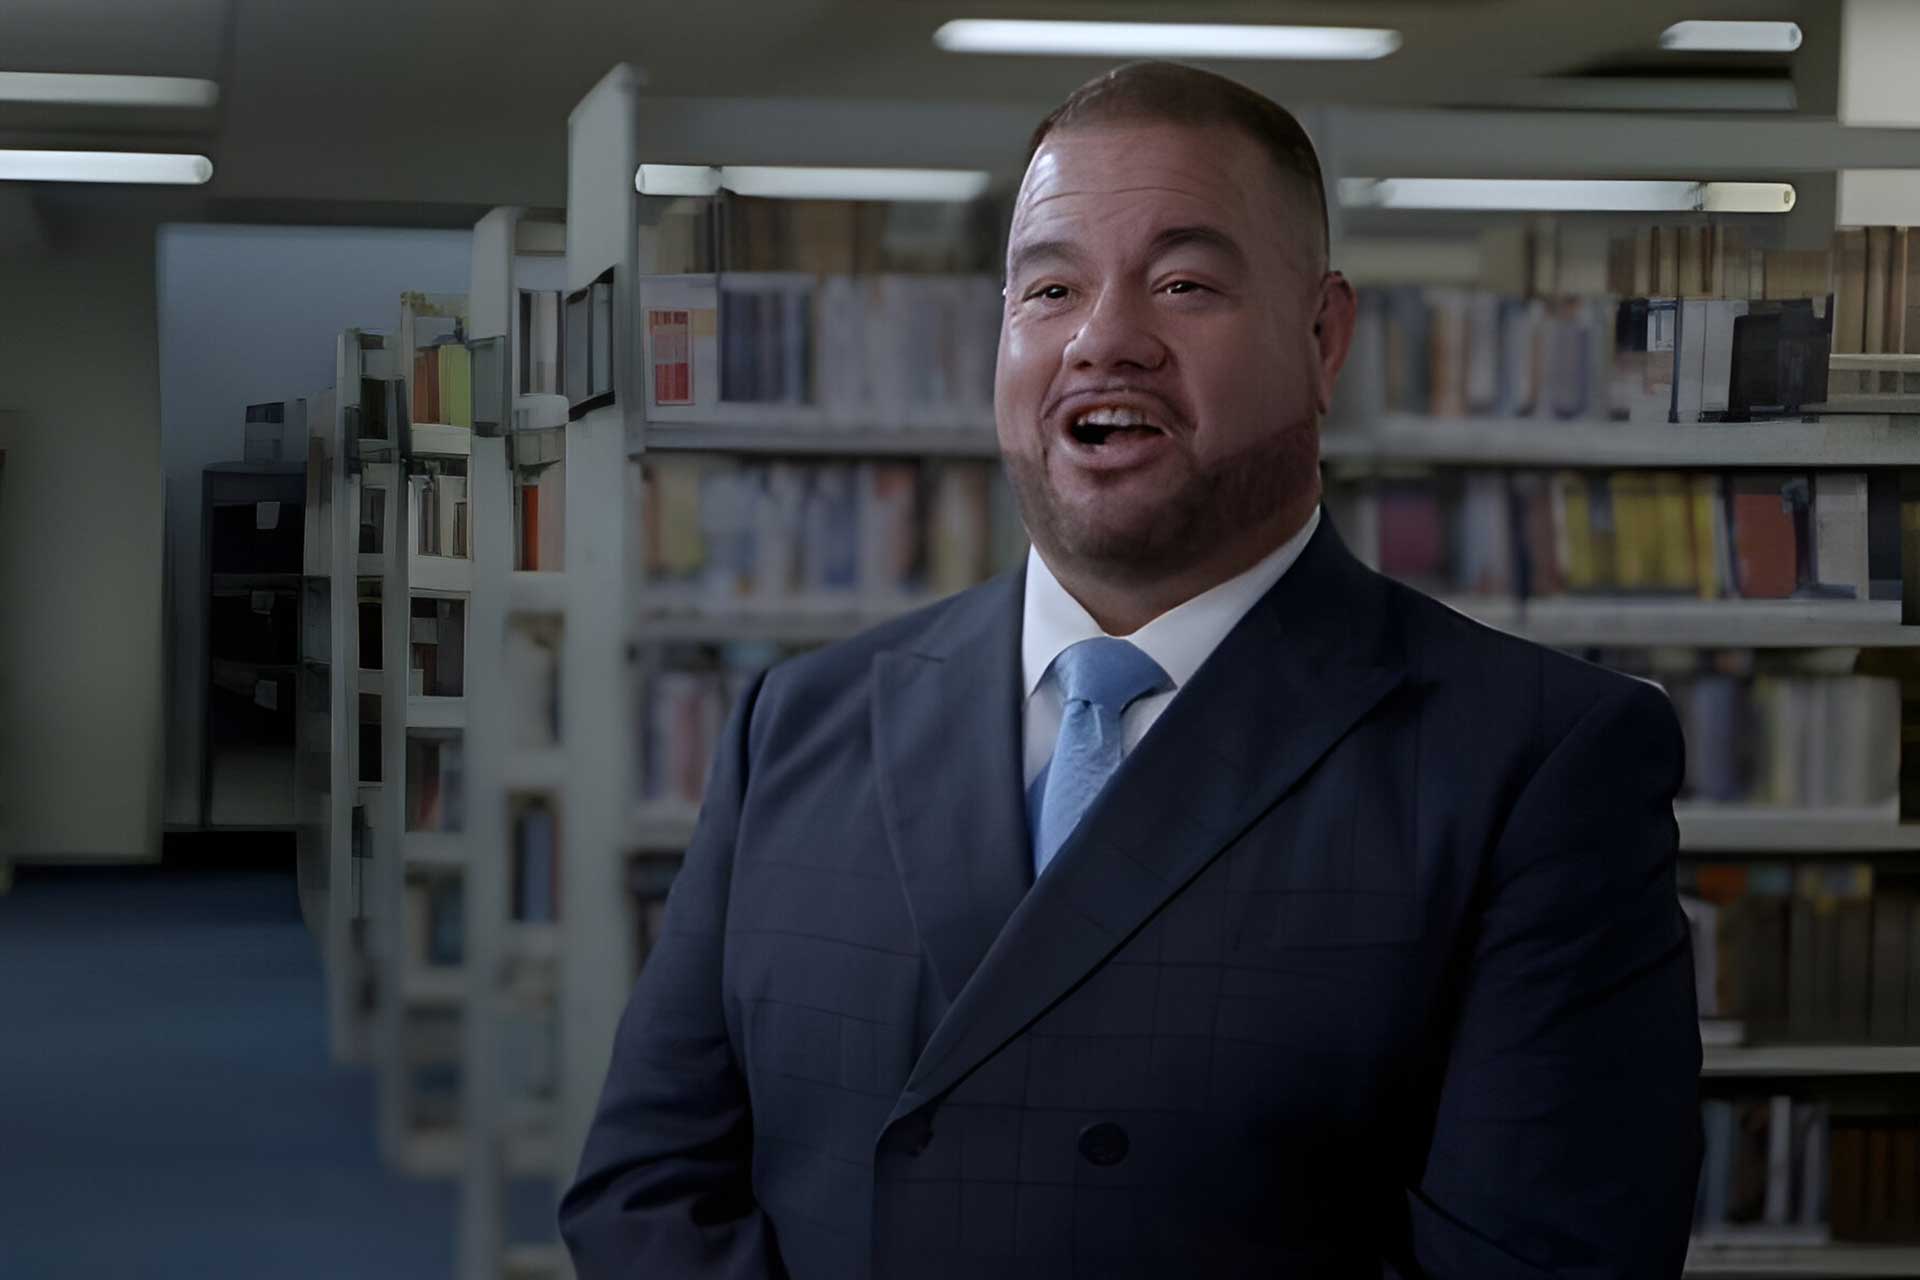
[1367, 963]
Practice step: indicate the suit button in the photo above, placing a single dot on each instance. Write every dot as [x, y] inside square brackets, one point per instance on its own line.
[1104, 1143]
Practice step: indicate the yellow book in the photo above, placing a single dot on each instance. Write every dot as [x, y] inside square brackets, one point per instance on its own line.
[1704, 503]
[680, 550]
[1573, 530]
[1636, 535]
[1673, 524]
[456, 385]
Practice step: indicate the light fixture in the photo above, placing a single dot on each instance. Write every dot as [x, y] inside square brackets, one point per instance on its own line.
[159, 168]
[1700, 36]
[61, 88]
[1165, 40]
[1571, 195]
[810, 183]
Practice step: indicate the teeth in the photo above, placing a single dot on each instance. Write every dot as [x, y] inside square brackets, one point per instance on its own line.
[1110, 416]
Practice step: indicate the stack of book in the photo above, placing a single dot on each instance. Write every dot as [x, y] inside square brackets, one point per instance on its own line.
[436, 920]
[1740, 535]
[1818, 741]
[1765, 1176]
[1805, 954]
[882, 351]
[795, 534]
[1874, 300]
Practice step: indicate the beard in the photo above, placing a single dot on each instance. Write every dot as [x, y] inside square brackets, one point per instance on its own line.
[1211, 506]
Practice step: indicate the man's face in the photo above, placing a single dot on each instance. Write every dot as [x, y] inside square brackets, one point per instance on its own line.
[1159, 371]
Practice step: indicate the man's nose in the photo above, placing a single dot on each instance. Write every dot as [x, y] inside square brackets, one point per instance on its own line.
[1118, 333]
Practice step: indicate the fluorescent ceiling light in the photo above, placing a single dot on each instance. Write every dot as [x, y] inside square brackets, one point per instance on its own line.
[1165, 40]
[104, 166]
[1579, 195]
[63, 89]
[1731, 37]
[808, 183]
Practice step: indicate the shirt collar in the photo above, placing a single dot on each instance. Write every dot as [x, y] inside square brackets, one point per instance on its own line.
[1180, 639]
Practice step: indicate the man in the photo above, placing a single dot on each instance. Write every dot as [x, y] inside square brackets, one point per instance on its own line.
[1308, 930]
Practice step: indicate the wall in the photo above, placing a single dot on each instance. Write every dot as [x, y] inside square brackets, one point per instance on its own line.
[80, 545]
[250, 314]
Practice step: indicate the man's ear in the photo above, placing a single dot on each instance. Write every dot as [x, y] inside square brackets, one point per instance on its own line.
[1332, 335]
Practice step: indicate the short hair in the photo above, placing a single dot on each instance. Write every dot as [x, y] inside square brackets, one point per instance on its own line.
[1170, 93]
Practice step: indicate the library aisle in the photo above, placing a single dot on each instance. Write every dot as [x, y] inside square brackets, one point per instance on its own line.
[174, 1112]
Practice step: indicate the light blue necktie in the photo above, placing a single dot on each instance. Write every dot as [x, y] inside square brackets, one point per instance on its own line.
[1099, 679]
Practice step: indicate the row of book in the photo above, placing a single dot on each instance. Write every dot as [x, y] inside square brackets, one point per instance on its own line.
[1805, 953]
[443, 384]
[1874, 296]
[1451, 353]
[1818, 741]
[888, 351]
[1737, 535]
[435, 773]
[437, 647]
[684, 706]
[1766, 1168]
[794, 533]
[441, 509]
[827, 237]
[436, 920]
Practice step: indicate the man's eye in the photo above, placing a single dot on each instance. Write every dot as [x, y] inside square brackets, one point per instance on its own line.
[1050, 292]
[1186, 286]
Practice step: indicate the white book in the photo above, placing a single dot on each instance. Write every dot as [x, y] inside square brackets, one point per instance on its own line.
[1840, 530]
[1717, 372]
[1690, 361]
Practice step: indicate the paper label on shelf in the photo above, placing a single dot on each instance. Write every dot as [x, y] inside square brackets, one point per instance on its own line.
[668, 333]
[266, 515]
[266, 694]
[262, 601]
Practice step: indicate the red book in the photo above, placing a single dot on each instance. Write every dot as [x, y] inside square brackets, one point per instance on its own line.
[1763, 539]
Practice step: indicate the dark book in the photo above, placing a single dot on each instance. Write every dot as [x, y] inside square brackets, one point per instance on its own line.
[1903, 1204]
[1892, 912]
[1803, 995]
[1883, 537]
[1779, 360]
[1846, 1202]
[1876, 1219]
[1853, 931]
[1747, 1194]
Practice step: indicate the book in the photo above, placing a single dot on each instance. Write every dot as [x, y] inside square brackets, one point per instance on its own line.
[1765, 550]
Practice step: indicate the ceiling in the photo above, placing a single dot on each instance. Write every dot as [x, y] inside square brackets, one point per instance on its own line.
[411, 111]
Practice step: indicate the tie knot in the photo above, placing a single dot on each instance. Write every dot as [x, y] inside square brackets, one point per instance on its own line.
[1108, 672]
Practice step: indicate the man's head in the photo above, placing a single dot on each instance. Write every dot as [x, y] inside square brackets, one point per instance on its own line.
[1171, 333]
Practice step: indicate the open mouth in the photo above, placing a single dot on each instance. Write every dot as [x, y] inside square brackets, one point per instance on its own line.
[1107, 423]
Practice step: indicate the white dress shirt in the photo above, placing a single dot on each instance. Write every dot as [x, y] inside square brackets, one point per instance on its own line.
[1179, 640]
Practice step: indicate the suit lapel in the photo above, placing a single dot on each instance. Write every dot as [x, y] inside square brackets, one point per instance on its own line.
[1305, 664]
[948, 751]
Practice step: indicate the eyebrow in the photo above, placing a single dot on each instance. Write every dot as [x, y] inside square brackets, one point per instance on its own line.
[1197, 235]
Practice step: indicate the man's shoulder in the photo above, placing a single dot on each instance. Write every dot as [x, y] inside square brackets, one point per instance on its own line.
[1446, 645]
[927, 628]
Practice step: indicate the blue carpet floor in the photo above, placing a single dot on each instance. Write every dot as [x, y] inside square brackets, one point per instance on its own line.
[167, 1104]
